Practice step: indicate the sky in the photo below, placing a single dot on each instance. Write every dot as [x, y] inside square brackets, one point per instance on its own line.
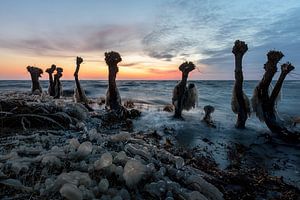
[153, 37]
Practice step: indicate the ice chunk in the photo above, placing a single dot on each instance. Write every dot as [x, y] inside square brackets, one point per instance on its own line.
[71, 192]
[133, 172]
[103, 185]
[104, 161]
[84, 149]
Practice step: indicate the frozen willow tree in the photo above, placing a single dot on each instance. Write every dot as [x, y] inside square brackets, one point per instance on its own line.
[35, 74]
[184, 97]
[264, 103]
[240, 103]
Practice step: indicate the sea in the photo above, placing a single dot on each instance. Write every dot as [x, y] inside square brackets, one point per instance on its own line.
[279, 157]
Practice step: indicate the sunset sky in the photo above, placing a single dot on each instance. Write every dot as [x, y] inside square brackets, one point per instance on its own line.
[153, 37]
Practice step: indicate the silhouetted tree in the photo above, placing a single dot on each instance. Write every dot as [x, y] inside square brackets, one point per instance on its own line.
[35, 73]
[240, 102]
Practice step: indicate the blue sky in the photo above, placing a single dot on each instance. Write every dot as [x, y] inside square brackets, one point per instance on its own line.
[154, 36]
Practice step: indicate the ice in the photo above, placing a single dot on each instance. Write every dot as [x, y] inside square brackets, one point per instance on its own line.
[133, 172]
[71, 192]
[105, 161]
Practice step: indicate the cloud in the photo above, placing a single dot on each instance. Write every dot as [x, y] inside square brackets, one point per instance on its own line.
[83, 39]
[209, 28]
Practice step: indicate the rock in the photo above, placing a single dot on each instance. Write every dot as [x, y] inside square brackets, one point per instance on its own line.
[136, 149]
[103, 185]
[74, 143]
[17, 167]
[133, 172]
[156, 189]
[75, 177]
[51, 161]
[124, 194]
[179, 162]
[84, 149]
[94, 135]
[76, 110]
[195, 195]
[117, 198]
[119, 172]
[71, 192]
[198, 183]
[123, 136]
[105, 161]
[168, 108]
[121, 158]
[16, 184]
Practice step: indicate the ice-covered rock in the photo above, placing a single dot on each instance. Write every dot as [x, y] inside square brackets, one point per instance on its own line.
[71, 192]
[133, 172]
[17, 166]
[104, 161]
[94, 135]
[156, 189]
[123, 136]
[119, 172]
[121, 158]
[124, 194]
[179, 162]
[103, 185]
[76, 110]
[74, 143]
[84, 149]
[75, 177]
[51, 161]
[195, 195]
[117, 197]
[16, 184]
[136, 149]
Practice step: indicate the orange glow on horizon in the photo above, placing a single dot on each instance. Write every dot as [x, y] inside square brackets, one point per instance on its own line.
[133, 67]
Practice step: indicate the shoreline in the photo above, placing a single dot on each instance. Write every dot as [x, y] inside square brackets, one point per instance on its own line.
[85, 153]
